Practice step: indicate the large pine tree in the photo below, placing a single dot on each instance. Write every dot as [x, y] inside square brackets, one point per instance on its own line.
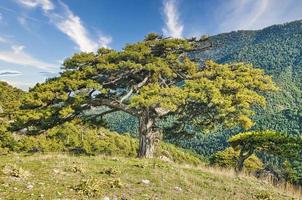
[151, 80]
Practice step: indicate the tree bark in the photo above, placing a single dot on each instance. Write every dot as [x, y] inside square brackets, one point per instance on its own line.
[147, 145]
[243, 155]
[148, 136]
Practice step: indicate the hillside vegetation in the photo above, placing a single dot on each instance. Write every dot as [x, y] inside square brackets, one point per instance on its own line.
[79, 135]
[277, 50]
[61, 176]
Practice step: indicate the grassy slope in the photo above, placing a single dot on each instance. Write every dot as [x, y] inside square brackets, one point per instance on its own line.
[59, 176]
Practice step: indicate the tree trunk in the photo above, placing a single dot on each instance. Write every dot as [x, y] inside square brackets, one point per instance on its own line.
[240, 164]
[243, 155]
[147, 145]
[147, 137]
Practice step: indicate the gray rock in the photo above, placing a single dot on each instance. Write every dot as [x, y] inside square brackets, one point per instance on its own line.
[178, 189]
[165, 159]
[145, 181]
[29, 186]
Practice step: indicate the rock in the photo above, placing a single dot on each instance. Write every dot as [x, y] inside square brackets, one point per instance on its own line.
[114, 159]
[23, 131]
[30, 186]
[106, 198]
[178, 189]
[165, 159]
[145, 181]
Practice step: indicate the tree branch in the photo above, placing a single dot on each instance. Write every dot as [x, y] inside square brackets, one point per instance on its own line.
[113, 104]
[135, 88]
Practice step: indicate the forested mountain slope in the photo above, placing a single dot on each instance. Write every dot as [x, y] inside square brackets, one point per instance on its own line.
[276, 49]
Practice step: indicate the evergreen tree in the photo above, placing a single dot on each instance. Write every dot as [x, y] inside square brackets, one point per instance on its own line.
[150, 80]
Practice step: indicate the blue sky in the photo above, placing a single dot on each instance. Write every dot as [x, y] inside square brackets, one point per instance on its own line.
[37, 35]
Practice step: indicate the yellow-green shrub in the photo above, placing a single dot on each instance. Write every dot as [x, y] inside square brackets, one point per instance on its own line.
[228, 159]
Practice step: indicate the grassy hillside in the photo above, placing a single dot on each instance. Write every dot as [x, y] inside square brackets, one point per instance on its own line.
[61, 176]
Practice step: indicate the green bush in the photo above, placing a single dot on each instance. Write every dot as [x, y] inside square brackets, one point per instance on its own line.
[228, 159]
[78, 138]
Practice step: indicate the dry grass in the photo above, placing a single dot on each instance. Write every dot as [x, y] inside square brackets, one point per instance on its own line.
[61, 176]
[284, 187]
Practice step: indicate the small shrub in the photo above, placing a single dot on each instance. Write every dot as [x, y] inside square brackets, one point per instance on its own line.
[114, 183]
[89, 187]
[75, 169]
[263, 196]
[14, 171]
[228, 159]
[93, 187]
[111, 171]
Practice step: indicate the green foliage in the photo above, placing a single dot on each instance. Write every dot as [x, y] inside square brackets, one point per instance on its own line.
[70, 137]
[10, 99]
[150, 80]
[270, 142]
[275, 49]
[229, 157]
[292, 171]
[78, 138]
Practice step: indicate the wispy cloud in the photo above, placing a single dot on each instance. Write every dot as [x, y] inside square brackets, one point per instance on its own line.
[256, 14]
[48, 74]
[69, 24]
[9, 73]
[18, 56]
[104, 41]
[46, 5]
[173, 26]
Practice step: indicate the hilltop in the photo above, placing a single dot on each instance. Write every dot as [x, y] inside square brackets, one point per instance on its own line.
[62, 176]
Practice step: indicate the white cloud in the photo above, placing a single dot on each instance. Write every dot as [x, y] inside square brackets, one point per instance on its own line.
[173, 26]
[18, 56]
[256, 14]
[69, 24]
[46, 5]
[104, 41]
[9, 73]
[72, 26]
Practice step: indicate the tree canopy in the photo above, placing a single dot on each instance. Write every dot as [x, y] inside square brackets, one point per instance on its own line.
[270, 142]
[151, 80]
